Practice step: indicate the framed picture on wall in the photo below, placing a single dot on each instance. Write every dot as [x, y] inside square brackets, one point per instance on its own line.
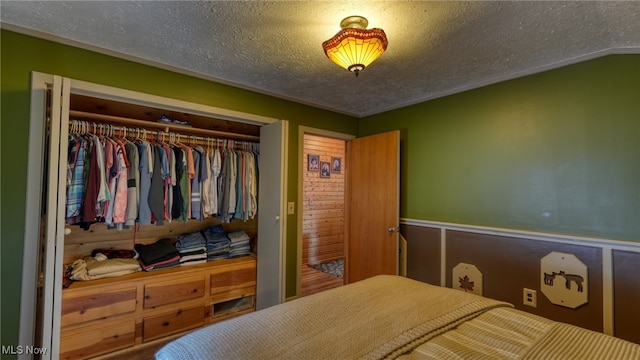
[313, 163]
[336, 165]
[325, 169]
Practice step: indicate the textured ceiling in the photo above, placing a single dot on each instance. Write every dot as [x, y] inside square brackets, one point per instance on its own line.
[274, 47]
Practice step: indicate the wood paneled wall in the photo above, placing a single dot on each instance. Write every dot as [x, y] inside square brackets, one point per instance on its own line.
[626, 295]
[423, 253]
[323, 203]
[511, 263]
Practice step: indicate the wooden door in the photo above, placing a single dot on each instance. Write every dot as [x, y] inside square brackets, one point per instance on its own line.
[373, 193]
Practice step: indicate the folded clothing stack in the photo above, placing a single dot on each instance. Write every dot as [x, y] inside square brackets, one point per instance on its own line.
[159, 255]
[192, 248]
[239, 243]
[217, 243]
[98, 267]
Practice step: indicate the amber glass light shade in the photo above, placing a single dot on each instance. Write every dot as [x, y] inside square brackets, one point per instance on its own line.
[354, 48]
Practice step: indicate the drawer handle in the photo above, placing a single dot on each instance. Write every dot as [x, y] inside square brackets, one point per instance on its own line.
[166, 323]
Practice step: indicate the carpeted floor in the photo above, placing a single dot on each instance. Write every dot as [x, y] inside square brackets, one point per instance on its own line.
[334, 267]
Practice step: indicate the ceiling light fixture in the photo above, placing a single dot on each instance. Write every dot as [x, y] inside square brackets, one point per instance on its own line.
[354, 47]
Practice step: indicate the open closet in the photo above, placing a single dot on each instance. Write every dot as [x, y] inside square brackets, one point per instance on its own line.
[143, 309]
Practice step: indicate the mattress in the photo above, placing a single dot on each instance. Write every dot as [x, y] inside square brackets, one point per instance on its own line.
[392, 317]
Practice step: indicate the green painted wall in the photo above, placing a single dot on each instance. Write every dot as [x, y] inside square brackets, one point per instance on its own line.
[22, 54]
[555, 152]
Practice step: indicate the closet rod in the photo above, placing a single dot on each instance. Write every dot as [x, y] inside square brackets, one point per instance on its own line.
[164, 136]
[160, 126]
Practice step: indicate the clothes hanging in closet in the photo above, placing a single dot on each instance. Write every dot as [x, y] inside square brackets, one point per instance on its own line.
[121, 182]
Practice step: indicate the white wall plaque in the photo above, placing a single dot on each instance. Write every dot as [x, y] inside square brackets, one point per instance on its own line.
[468, 278]
[564, 279]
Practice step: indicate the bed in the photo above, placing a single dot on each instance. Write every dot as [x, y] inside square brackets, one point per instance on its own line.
[392, 317]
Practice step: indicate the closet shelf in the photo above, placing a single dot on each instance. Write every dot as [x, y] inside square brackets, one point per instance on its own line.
[82, 115]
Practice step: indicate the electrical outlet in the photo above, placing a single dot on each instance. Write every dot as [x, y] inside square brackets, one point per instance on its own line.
[529, 297]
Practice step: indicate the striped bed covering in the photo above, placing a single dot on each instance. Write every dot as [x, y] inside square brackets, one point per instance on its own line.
[392, 317]
[507, 333]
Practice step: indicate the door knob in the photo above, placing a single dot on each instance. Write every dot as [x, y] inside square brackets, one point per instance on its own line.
[392, 229]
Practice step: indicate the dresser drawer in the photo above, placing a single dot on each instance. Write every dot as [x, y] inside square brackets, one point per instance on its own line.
[230, 278]
[166, 292]
[78, 307]
[89, 341]
[173, 322]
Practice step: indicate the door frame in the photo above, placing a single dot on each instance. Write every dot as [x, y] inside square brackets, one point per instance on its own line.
[36, 187]
[33, 206]
[302, 131]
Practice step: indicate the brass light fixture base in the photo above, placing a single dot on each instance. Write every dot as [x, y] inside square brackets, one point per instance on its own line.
[355, 22]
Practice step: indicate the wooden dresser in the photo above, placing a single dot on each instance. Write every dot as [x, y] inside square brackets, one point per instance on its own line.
[106, 315]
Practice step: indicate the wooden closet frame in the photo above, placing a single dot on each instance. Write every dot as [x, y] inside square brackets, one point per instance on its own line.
[271, 276]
